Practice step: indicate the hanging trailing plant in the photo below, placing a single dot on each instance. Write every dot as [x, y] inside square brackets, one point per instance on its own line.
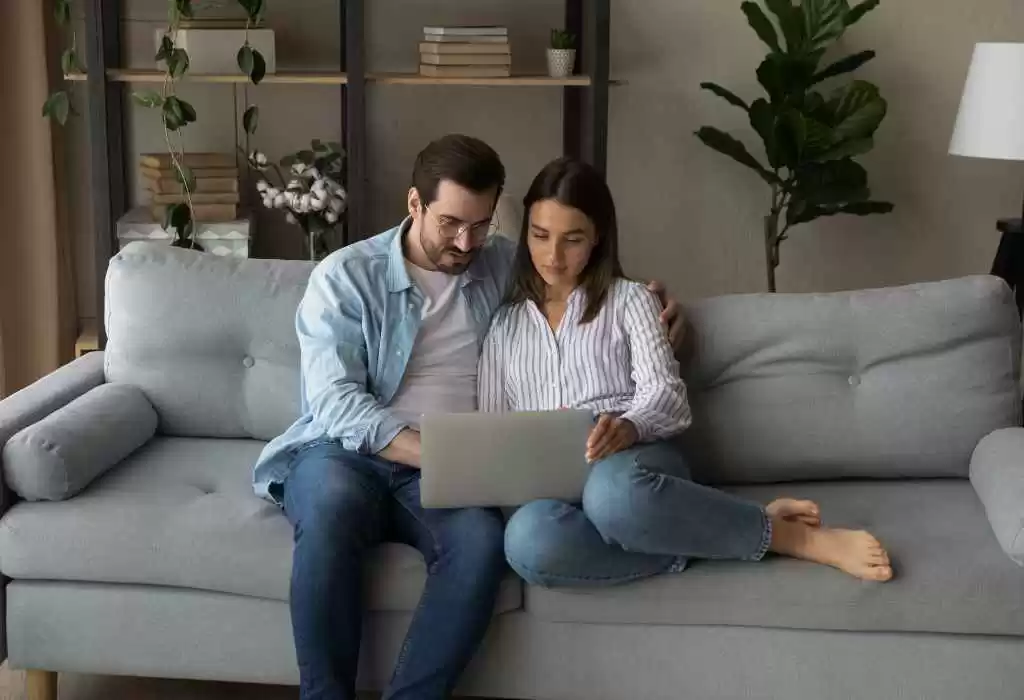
[175, 115]
[252, 63]
[58, 105]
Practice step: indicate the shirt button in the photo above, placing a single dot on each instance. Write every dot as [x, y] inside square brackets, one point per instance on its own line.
[248, 362]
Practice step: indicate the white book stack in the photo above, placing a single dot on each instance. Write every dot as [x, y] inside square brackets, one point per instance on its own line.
[465, 52]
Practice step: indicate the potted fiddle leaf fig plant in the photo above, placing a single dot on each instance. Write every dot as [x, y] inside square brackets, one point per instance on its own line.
[811, 135]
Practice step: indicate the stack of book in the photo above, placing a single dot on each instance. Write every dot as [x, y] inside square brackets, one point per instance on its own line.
[465, 52]
[215, 197]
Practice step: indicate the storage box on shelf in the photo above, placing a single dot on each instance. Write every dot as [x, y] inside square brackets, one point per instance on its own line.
[465, 52]
[228, 238]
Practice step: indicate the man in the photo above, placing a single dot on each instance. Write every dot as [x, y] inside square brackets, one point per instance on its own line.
[389, 328]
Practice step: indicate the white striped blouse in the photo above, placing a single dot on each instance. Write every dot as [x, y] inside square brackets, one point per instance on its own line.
[621, 362]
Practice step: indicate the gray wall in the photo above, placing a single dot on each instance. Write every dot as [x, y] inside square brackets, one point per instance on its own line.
[689, 217]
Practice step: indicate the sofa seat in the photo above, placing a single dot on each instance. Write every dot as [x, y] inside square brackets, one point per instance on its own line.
[180, 512]
[951, 575]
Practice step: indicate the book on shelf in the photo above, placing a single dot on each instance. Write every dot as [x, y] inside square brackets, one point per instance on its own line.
[171, 173]
[201, 212]
[466, 30]
[461, 39]
[197, 198]
[432, 71]
[464, 47]
[162, 161]
[166, 185]
[465, 59]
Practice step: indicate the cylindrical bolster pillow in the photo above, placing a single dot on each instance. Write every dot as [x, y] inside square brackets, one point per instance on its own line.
[61, 454]
[997, 473]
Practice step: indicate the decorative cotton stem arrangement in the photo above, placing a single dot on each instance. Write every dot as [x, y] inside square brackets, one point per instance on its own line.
[312, 197]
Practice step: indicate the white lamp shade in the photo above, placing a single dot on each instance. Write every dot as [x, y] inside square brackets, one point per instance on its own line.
[991, 119]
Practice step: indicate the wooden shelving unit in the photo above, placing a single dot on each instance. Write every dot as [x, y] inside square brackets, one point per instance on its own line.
[584, 107]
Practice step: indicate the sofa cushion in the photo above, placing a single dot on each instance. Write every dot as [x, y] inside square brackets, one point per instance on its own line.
[951, 575]
[884, 383]
[181, 512]
[997, 474]
[58, 456]
[210, 340]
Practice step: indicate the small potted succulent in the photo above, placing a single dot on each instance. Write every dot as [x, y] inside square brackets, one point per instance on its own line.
[312, 196]
[561, 54]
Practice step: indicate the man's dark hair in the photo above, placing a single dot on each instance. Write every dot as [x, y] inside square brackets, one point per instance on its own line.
[466, 161]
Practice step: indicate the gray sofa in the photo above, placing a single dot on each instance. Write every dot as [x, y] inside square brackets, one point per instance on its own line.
[132, 542]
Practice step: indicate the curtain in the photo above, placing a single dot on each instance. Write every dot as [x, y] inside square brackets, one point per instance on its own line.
[37, 310]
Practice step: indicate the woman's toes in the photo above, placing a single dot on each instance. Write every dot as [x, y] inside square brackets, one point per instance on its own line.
[881, 573]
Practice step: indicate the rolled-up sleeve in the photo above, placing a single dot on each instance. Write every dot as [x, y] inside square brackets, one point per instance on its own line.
[660, 408]
[333, 351]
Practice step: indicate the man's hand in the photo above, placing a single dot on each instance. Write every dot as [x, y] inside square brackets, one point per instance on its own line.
[404, 449]
[611, 434]
[671, 316]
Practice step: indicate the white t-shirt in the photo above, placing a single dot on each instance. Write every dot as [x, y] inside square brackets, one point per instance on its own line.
[442, 371]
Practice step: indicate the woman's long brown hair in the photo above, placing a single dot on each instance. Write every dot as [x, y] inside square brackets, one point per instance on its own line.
[579, 185]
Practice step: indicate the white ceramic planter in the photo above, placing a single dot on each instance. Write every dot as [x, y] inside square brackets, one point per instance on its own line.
[561, 62]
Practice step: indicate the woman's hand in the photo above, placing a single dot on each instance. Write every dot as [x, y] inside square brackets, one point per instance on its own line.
[611, 434]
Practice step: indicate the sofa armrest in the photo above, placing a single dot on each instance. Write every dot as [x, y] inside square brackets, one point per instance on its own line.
[38, 400]
[997, 474]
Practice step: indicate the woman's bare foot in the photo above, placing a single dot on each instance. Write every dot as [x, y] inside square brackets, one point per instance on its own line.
[856, 552]
[793, 510]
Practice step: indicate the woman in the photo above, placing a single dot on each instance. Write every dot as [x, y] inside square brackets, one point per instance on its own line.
[586, 337]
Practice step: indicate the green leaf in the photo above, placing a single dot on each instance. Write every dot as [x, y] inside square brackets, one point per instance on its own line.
[785, 78]
[848, 149]
[727, 145]
[58, 107]
[148, 98]
[819, 139]
[178, 217]
[246, 60]
[824, 21]
[253, 8]
[866, 208]
[189, 111]
[790, 21]
[833, 182]
[178, 63]
[856, 14]
[800, 212]
[306, 157]
[726, 95]
[166, 49]
[62, 11]
[184, 8]
[69, 62]
[791, 137]
[762, 119]
[844, 65]
[761, 24]
[259, 67]
[336, 147]
[856, 111]
[317, 144]
[186, 176]
[251, 119]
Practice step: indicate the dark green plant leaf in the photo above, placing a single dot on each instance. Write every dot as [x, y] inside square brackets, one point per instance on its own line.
[857, 110]
[832, 182]
[800, 212]
[856, 14]
[306, 157]
[771, 77]
[186, 177]
[189, 111]
[819, 139]
[184, 8]
[726, 95]
[317, 144]
[844, 65]
[785, 78]
[336, 147]
[815, 107]
[178, 63]
[259, 67]
[824, 21]
[289, 160]
[148, 98]
[166, 49]
[762, 120]
[58, 107]
[791, 137]
[246, 60]
[69, 62]
[253, 8]
[251, 119]
[727, 145]
[866, 208]
[848, 149]
[62, 11]
[791, 22]
[179, 217]
[761, 24]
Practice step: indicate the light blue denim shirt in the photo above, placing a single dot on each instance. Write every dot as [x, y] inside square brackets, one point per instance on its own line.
[356, 325]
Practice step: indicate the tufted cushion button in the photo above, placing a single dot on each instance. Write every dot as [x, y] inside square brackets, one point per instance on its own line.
[248, 361]
[854, 380]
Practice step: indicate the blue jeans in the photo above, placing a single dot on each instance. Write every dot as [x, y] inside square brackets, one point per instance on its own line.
[342, 504]
[641, 515]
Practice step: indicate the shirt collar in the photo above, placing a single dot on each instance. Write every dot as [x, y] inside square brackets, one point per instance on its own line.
[398, 275]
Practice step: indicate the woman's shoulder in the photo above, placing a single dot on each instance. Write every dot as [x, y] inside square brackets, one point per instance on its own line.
[624, 290]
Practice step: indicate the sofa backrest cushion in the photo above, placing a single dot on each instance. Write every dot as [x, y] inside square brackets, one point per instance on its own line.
[210, 340]
[901, 382]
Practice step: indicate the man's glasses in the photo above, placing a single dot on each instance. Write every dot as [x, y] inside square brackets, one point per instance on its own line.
[451, 228]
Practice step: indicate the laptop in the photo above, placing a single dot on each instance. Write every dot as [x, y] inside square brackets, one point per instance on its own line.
[503, 459]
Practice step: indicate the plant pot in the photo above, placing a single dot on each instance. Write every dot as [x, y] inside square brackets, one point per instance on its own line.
[561, 62]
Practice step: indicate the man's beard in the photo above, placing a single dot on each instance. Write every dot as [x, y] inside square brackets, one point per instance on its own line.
[436, 256]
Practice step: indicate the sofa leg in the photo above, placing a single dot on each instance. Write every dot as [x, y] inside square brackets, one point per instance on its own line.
[41, 685]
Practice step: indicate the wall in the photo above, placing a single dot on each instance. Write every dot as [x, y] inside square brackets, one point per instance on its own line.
[689, 216]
